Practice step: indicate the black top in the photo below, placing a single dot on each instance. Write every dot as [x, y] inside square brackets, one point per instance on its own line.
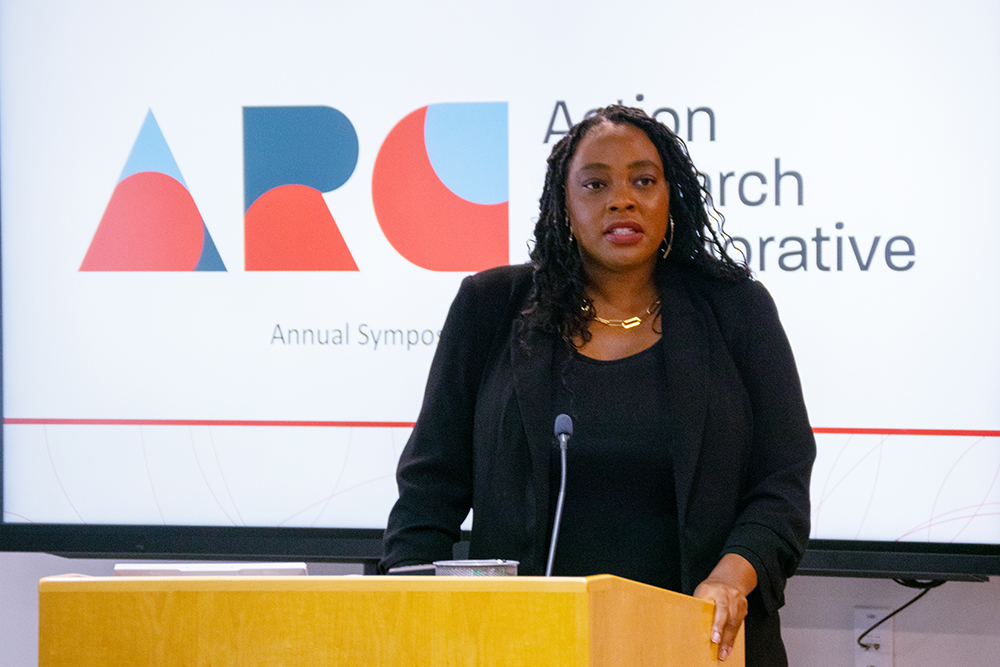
[620, 514]
[738, 434]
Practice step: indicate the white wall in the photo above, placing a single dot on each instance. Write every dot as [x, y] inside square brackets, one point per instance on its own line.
[957, 624]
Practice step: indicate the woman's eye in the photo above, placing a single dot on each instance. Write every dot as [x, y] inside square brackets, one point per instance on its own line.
[645, 180]
[593, 185]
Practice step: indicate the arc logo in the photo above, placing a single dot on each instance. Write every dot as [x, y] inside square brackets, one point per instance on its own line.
[439, 186]
[151, 222]
[439, 190]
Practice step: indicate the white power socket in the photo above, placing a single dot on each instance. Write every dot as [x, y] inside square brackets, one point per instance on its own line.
[879, 639]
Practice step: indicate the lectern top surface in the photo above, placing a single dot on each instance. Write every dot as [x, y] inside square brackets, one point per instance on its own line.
[356, 583]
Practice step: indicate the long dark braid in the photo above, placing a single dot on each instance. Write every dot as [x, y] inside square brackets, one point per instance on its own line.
[557, 303]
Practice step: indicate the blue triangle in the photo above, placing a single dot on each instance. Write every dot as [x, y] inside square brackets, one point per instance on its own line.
[210, 259]
[151, 153]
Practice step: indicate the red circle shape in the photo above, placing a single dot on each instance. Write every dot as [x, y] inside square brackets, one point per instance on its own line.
[150, 224]
[426, 222]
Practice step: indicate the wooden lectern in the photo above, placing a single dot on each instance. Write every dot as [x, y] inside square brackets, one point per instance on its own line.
[390, 621]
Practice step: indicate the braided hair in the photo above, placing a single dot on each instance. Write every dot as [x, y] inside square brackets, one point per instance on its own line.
[558, 303]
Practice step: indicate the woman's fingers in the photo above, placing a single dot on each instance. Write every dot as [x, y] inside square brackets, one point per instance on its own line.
[730, 610]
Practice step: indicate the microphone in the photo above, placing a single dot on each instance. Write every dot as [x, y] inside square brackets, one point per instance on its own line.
[563, 430]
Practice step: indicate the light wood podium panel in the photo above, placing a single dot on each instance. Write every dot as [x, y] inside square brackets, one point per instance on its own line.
[599, 621]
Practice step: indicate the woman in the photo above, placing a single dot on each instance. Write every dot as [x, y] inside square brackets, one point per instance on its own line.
[690, 462]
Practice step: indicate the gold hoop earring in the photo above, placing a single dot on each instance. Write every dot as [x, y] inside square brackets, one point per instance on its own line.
[569, 226]
[670, 243]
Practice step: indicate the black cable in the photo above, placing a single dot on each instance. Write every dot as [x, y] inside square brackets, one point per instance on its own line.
[925, 587]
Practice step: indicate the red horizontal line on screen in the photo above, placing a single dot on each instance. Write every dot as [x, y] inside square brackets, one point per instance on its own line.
[388, 424]
[906, 431]
[201, 422]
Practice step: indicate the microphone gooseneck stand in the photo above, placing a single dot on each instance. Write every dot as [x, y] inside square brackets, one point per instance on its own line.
[563, 430]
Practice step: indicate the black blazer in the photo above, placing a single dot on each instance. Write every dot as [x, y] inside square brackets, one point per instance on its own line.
[739, 437]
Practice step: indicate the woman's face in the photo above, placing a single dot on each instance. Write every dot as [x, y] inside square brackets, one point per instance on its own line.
[617, 198]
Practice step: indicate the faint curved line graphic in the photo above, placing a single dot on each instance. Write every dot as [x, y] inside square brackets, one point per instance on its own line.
[149, 476]
[340, 478]
[201, 471]
[874, 486]
[52, 462]
[826, 483]
[338, 493]
[944, 482]
[856, 465]
[964, 512]
[938, 521]
[395, 447]
[982, 503]
[222, 475]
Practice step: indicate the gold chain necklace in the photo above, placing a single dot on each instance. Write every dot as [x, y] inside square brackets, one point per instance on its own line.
[624, 324]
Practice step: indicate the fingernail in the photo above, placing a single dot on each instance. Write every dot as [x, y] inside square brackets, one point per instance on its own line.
[723, 652]
[716, 637]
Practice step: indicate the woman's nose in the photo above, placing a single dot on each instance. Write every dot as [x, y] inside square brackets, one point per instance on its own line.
[620, 201]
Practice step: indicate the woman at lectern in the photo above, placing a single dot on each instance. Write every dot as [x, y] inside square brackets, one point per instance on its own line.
[690, 460]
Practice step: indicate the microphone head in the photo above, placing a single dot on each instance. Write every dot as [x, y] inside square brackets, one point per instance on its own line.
[564, 425]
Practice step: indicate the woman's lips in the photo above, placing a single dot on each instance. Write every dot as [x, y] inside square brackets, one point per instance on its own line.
[624, 233]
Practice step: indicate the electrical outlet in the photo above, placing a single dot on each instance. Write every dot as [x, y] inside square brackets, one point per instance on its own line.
[879, 640]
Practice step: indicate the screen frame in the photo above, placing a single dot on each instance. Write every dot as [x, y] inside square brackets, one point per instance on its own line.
[839, 558]
[901, 560]
[824, 557]
[341, 545]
